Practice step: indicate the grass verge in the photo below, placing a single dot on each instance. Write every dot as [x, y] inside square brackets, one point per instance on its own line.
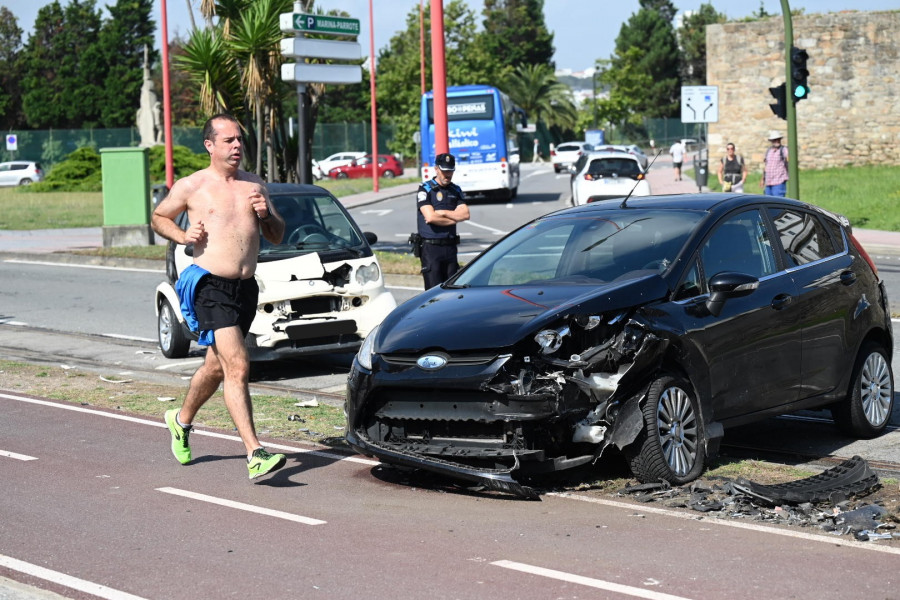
[323, 424]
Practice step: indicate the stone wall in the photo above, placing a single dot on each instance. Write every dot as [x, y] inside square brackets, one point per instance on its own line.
[852, 114]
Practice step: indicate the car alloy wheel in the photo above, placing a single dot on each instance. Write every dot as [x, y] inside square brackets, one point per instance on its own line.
[867, 409]
[672, 445]
[172, 339]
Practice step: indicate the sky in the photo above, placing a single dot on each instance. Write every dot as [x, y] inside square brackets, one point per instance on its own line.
[579, 37]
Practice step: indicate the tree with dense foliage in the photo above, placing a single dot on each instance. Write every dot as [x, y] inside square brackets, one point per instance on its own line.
[515, 32]
[654, 37]
[120, 49]
[398, 68]
[55, 90]
[692, 36]
[10, 49]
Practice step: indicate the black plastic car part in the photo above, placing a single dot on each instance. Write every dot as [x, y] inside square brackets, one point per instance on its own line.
[852, 476]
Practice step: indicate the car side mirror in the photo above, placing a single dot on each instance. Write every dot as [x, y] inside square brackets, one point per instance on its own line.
[370, 237]
[726, 285]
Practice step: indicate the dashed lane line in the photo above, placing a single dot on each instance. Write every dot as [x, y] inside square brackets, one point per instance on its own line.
[16, 456]
[74, 583]
[609, 586]
[241, 506]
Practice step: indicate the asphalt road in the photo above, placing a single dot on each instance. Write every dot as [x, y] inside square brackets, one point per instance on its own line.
[95, 506]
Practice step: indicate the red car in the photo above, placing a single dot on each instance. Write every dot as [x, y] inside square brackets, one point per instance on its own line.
[388, 166]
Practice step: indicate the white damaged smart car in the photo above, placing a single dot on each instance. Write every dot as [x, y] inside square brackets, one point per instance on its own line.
[321, 290]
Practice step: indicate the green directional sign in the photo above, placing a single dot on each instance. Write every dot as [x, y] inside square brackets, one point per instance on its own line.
[325, 24]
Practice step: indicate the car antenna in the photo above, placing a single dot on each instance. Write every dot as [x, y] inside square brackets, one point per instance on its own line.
[625, 200]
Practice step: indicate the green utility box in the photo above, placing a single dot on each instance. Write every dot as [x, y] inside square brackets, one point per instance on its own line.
[126, 196]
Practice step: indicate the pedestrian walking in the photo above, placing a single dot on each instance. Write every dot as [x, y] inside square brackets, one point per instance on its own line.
[536, 156]
[439, 207]
[732, 171]
[227, 208]
[775, 167]
[677, 152]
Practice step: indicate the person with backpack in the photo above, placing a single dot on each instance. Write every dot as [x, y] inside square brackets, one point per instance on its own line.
[732, 171]
[775, 169]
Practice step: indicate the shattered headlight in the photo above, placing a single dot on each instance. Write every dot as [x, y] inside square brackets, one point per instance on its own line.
[368, 273]
[367, 350]
[551, 339]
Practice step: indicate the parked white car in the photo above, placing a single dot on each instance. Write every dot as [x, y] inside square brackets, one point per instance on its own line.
[20, 172]
[609, 175]
[567, 153]
[339, 159]
[321, 290]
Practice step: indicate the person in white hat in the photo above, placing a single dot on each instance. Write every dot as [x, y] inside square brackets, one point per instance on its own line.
[775, 167]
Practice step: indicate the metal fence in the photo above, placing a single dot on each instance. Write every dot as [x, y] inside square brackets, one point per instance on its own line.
[50, 146]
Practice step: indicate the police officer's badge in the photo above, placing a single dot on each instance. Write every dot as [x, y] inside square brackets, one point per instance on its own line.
[440, 196]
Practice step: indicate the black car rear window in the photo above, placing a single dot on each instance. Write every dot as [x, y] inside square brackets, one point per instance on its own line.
[610, 167]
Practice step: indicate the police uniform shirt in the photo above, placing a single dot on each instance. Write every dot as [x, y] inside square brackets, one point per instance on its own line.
[440, 198]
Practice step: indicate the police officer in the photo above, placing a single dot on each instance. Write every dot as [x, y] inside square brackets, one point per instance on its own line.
[440, 206]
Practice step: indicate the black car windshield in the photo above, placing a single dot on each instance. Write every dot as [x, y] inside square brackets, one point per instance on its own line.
[584, 248]
[614, 167]
[314, 223]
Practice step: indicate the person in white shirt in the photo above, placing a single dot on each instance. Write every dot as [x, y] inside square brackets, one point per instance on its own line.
[677, 152]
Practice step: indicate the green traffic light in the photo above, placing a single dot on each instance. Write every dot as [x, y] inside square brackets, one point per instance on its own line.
[800, 92]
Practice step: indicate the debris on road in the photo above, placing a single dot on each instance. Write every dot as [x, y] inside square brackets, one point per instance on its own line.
[831, 501]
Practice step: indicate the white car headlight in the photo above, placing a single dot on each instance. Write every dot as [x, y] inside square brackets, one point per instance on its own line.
[367, 350]
[368, 273]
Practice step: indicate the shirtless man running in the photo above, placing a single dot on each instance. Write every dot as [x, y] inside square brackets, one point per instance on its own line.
[226, 207]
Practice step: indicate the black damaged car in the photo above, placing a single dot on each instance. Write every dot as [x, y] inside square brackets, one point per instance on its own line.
[650, 325]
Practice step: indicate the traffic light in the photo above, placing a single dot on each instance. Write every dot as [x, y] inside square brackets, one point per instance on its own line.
[799, 74]
[780, 106]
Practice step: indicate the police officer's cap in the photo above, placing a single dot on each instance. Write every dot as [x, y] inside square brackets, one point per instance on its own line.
[445, 162]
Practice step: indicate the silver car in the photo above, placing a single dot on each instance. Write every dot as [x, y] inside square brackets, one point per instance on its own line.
[20, 172]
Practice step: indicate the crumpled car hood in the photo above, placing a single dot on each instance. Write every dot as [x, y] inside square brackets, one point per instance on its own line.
[497, 317]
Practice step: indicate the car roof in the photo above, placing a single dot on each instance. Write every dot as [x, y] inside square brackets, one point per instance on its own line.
[709, 202]
[295, 188]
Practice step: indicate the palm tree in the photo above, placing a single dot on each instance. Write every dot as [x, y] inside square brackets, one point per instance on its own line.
[207, 63]
[536, 90]
[254, 43]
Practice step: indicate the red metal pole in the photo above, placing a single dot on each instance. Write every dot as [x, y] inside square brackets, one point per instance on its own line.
[439, 78]
[422, 43]
[167, 99]
[372, 94]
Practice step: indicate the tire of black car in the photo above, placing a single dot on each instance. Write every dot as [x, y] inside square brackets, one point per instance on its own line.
[172, 338]
[866, 410]
[672, 445]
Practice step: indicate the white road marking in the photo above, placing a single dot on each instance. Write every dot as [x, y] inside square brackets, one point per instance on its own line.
[241, 506]
[94, 589]
[16, 456]
[324, 454]
[128, 337]
[405, 287]
[189, 363]
[378, 211]
[810, 537]
[491, 229]
[74, 266]
[588, 581]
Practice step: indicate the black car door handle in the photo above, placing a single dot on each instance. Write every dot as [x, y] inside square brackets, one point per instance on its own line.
[848, 277]
[781, 301]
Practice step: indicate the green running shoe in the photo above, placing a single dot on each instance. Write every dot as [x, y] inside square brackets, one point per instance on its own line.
[180, 446]
[261, 463]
